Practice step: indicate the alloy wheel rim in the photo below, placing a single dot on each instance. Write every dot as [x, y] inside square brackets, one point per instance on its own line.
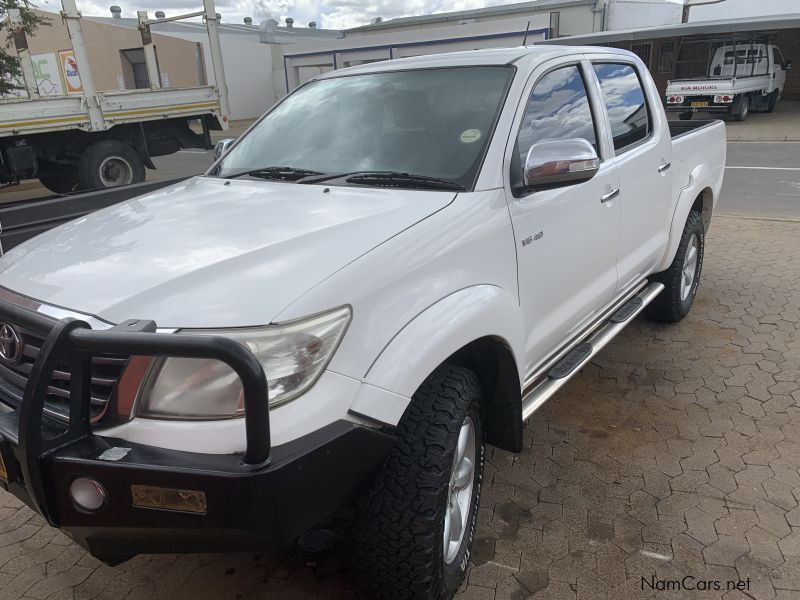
[115, 171]
[689, 266]
[459, 491]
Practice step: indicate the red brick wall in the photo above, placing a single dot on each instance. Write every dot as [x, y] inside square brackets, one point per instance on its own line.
[789, 43]
[787, 40]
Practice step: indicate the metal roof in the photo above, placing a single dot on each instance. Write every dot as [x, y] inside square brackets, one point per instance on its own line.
[485, 56]
[286, 34]
[699, 28]
[491, 11]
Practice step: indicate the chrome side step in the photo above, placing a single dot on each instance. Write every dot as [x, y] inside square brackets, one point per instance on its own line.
[536, 393]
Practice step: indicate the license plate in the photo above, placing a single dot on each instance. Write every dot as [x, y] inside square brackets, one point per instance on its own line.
[700, 103]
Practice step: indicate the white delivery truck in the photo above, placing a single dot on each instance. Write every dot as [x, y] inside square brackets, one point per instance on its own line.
[741, 76]
[98, 139]
[398, 264]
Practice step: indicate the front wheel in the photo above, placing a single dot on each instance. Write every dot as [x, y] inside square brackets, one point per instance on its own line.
[773, 100]
[413, 535]
[58, 179]
[683, 276]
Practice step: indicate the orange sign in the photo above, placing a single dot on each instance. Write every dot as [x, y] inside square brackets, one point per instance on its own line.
[69, 68]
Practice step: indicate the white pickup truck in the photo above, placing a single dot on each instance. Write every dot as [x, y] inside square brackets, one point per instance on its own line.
[741, 77]
[396, 265]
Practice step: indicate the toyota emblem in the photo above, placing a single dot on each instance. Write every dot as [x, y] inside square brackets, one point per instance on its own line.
[10, 344]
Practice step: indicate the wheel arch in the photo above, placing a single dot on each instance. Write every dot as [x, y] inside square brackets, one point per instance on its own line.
[479, 327]
[695, 197]
[492, 361]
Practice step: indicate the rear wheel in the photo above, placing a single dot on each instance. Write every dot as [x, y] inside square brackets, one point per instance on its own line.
[685, 116]
[109, 164]
[741, 108]
[683, 276]
[414, 532]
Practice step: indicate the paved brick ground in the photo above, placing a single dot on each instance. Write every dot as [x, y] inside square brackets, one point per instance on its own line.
[676, 453]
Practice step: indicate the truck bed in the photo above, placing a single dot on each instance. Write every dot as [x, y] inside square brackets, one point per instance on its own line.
[697, 143]
[23, 116]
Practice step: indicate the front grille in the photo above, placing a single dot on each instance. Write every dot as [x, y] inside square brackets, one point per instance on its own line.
[105, 372]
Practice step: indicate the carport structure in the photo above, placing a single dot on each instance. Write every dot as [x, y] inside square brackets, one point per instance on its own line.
[659, 47]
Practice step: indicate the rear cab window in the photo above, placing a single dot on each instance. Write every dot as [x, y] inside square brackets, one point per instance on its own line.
[626, 103]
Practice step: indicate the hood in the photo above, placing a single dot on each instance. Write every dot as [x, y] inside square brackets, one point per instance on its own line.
[210, 252]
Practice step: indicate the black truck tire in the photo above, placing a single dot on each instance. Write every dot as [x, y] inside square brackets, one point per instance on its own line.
[685, 116]
[109, 163]
[772, 102]
[58, 179]
[398, 537]
[683, 275]
[741, 107]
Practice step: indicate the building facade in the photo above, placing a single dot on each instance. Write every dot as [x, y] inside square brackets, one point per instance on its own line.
[115, 54]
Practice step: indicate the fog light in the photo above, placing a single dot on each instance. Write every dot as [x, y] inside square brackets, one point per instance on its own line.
[87, 494]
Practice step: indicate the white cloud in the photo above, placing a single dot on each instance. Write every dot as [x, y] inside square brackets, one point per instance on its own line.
[332, 14]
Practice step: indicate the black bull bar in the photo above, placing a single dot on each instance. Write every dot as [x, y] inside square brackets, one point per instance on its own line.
[71, 343]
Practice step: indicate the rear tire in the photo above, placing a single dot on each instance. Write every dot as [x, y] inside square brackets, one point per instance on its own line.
[741, 108]
[399, 536]
[685, 116]
[109, 164]
[683, 275]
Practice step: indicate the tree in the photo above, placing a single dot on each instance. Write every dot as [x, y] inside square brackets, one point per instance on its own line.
[9, 64]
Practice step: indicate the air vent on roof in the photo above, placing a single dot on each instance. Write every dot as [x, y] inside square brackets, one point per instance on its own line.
[377, 20]
[289, 22]
[116, 12]
[160, 14]
[312, 24]
[248, 20]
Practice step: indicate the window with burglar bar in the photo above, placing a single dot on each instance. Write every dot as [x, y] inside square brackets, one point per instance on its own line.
[644, 51]
[666, 57]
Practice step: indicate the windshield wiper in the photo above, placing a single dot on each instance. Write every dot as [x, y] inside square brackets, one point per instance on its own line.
[389, 179]
[276, 173]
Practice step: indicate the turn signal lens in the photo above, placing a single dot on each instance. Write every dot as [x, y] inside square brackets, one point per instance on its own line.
[87, 494]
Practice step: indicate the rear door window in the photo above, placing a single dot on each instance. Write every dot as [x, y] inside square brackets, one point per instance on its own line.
[625, 102]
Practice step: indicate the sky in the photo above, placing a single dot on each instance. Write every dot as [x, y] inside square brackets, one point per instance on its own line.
[342, 14]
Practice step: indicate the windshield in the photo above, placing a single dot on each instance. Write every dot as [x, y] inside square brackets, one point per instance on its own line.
[430, 122]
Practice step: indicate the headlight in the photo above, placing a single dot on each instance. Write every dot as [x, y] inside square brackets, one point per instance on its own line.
[293, 355]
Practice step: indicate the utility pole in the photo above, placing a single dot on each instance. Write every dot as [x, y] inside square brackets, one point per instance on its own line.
[687, 4]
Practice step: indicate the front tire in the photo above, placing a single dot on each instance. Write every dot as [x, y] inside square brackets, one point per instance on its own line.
[683, 276]
[413, 535]
[773, 100]
[58, 179]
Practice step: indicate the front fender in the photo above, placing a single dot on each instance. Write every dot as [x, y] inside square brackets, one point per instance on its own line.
[430, 338]
[701, 179]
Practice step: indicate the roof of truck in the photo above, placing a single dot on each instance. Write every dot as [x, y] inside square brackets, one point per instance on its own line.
[487, 56]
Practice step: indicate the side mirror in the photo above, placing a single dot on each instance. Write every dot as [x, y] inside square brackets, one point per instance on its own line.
[553, 162]
[221, 146]
[787, 66]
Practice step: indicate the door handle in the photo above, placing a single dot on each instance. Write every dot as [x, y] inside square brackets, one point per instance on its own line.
[609, 195]
[664, 167]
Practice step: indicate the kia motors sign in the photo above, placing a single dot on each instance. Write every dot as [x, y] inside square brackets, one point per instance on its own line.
[69, 67]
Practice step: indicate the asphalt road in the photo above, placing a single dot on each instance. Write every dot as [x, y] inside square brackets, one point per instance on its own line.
[762, 179]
